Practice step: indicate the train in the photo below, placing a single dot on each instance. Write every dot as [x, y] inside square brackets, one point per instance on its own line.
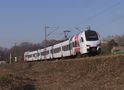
[86, 42]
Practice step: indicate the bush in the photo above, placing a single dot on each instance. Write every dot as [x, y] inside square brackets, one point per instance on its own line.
[106, 47]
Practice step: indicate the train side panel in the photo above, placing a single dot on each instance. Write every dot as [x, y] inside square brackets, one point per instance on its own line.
[66, 49]
[90, 42]
[48, 52]
[57, 50]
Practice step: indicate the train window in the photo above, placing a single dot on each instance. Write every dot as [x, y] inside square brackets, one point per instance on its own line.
[66, 47]
[51, 51]
[91, 35]
[69, 47]
[38, 54]
[45, 53]
[73, 44]
[82, 40]
[63, 48]
[29, 56]
[26, 56]
[33, 55]
[57, 50]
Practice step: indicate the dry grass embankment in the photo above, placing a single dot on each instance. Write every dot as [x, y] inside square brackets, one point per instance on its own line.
[90, 73]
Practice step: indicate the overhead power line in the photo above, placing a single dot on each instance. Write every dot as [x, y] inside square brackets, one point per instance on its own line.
[113, 21]
[104, 10]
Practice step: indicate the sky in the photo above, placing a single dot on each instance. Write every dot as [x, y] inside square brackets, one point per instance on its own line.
[25, 20]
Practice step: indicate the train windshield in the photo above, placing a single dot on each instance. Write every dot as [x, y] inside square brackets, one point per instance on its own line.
[91, 35]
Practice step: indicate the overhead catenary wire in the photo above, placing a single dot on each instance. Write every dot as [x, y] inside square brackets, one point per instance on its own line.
[113, 21]
[116, 19]
[104, 11]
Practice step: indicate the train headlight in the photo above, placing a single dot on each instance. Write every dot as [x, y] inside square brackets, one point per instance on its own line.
[88, 45]
[99, 45]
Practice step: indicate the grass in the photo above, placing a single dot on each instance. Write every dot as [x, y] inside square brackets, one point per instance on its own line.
[89, 73]
[5, 81]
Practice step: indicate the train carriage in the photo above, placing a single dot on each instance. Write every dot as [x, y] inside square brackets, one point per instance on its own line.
[74, 45]
[57, 50]
[89, 42]
[66, 48]
[31, 56]
[48, 53]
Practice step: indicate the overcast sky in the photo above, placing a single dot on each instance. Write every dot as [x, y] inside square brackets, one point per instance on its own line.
[24, 20]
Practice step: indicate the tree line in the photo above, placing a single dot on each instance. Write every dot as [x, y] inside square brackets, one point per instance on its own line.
[18, 50]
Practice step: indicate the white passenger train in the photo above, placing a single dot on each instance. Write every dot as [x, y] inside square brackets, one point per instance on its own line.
[86, 42]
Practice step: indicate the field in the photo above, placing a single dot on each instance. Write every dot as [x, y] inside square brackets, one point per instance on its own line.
[89, 73]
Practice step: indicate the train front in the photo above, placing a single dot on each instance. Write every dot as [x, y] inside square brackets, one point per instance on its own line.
[90, 42]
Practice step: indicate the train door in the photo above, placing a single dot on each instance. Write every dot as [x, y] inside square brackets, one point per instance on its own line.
[75, 46]
[82, 45]
[51, 52]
